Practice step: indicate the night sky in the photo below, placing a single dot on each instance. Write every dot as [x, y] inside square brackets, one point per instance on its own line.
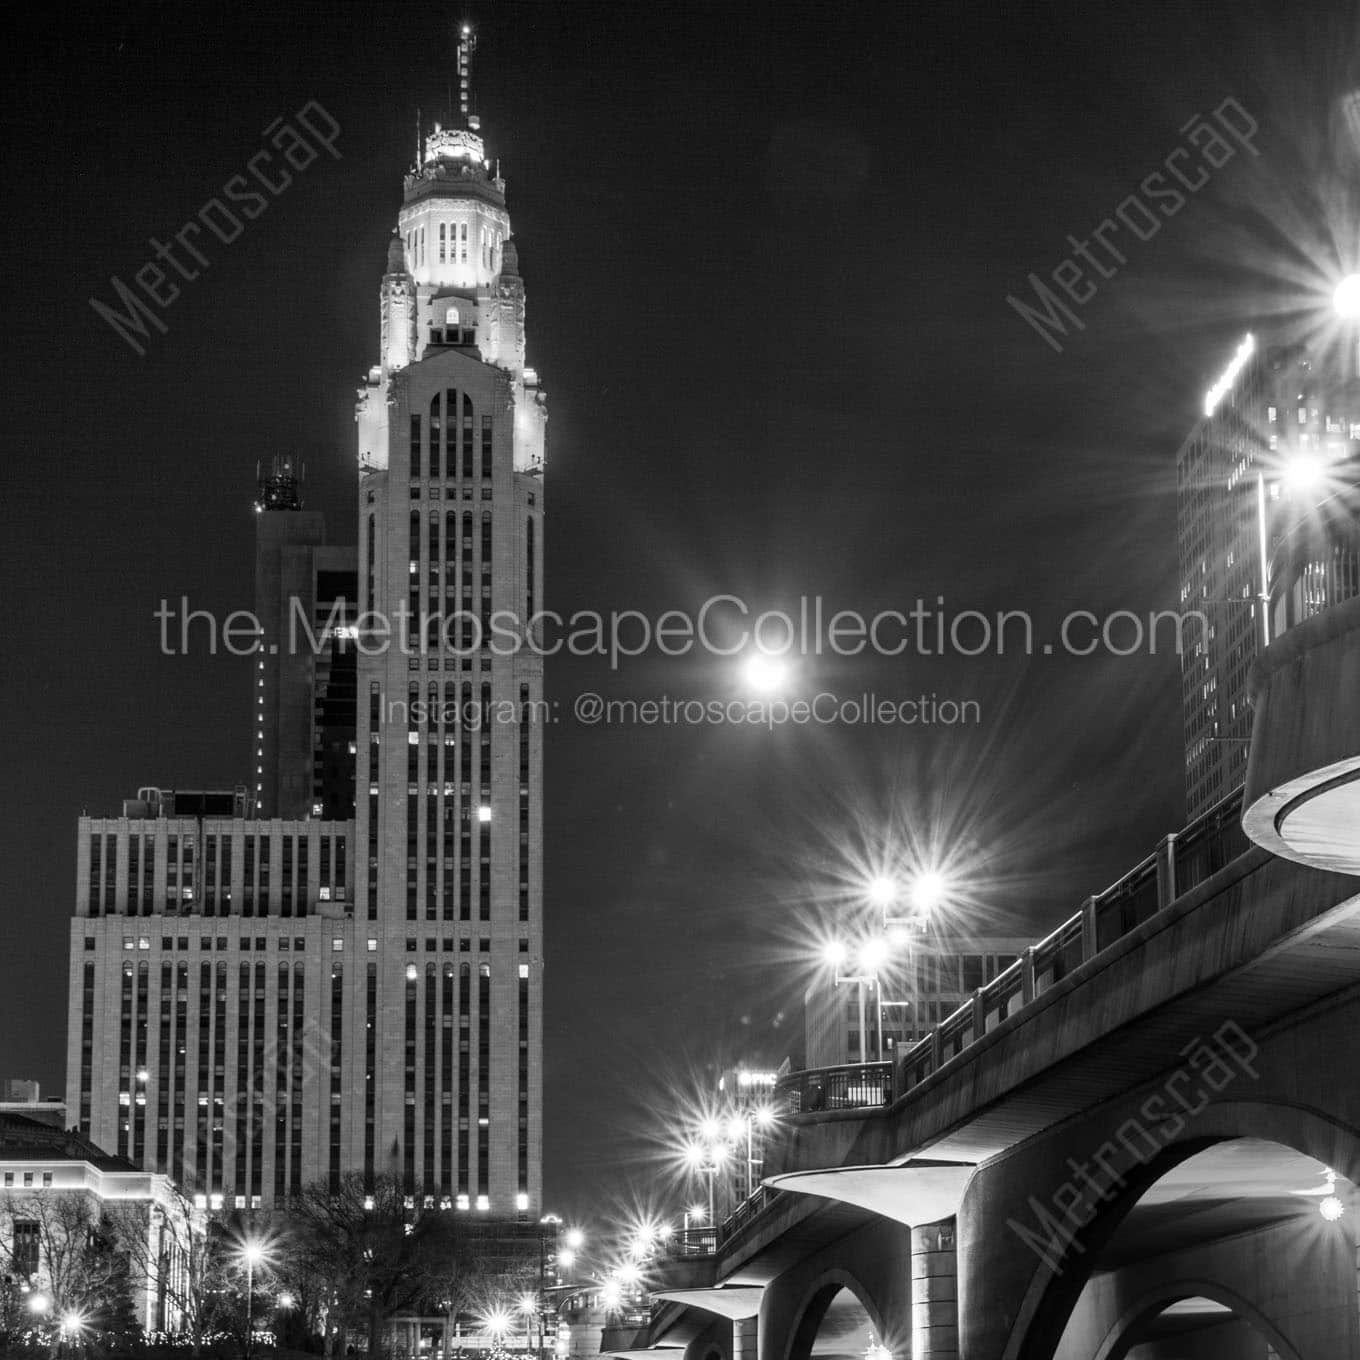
[767, 254]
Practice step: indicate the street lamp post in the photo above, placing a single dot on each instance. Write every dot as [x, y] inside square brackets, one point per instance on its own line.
[252, 1253]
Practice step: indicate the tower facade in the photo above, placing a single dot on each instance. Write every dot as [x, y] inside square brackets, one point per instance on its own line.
[449, 771]
[338, 968]
[1266, 538]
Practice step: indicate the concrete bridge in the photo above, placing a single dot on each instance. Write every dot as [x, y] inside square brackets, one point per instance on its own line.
[1141, 1142]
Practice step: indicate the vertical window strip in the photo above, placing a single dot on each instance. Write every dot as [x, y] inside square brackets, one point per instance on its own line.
[297, 1074]
[125, 1074]
[431, 1057]
[464, 1079]
[244, 1052]
[140, 1060]
[409, 1086]
[446, 1040]
[336, 1068]
[370, 1073]
[483, 1082]
[282, 1053]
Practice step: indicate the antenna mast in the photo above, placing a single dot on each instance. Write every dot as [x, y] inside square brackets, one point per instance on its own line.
[467, 45]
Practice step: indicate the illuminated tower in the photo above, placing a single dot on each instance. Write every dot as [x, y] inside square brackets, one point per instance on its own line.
[449, 807]
[267, 988]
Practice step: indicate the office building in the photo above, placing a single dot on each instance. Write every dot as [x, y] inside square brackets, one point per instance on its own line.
[337, 966]
[1265, 538]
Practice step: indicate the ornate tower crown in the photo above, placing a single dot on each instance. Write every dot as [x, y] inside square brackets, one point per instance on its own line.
[454, 144]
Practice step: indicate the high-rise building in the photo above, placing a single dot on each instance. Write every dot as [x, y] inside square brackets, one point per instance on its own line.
[269, 990]
[1261, 546]
[306, 603]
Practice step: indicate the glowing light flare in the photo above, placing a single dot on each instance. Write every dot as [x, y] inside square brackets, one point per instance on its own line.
[38, 1303]
[929, 890]
[875, 1350]
[766, 674]
[527, 1303]
[73, 1323]
[566, 1258]
[575, 1239]
[611, 1294]
[835, 952]
[1303, 472]
[882, 890]
[1331, 1208]
[1346, 298]
[497, 1321]
[873, 954]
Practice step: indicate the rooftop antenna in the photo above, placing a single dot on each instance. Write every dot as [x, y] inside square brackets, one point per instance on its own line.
[418, 150]
[467, 45]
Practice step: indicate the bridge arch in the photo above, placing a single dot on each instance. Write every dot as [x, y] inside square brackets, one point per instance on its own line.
[1051, 1296]
[823, 1301]
[1124, 1333]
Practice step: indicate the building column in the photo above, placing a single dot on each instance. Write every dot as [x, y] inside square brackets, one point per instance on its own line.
[934, 1292]
[745, 1338]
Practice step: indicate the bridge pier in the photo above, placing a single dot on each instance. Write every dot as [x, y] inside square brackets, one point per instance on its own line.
[934, 1292]
[745, 1339]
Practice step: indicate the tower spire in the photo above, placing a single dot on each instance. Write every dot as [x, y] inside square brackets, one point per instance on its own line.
[467, 45]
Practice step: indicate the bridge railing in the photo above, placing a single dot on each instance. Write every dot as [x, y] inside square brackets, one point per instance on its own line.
[1181, 862]
[693, 1242]
[851, 1086]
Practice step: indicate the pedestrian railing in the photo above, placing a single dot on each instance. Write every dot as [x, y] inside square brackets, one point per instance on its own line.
[848, 1087]
[1180, 863]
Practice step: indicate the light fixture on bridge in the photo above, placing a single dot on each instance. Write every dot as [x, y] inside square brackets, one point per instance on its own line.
[875, 1350]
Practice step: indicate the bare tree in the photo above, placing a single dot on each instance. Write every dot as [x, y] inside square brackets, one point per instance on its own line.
[183, 1262]
[79, 1266]
[458, 1280]
[366, 1251]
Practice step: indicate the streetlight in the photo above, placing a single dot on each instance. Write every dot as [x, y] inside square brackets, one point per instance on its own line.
[252, 1254]
[527, 1304]
[870, 954]
[1346, 298]
[497, 1321]
[708, 1157]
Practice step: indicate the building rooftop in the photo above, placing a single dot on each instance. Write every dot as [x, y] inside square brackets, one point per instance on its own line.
[24, 1139]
